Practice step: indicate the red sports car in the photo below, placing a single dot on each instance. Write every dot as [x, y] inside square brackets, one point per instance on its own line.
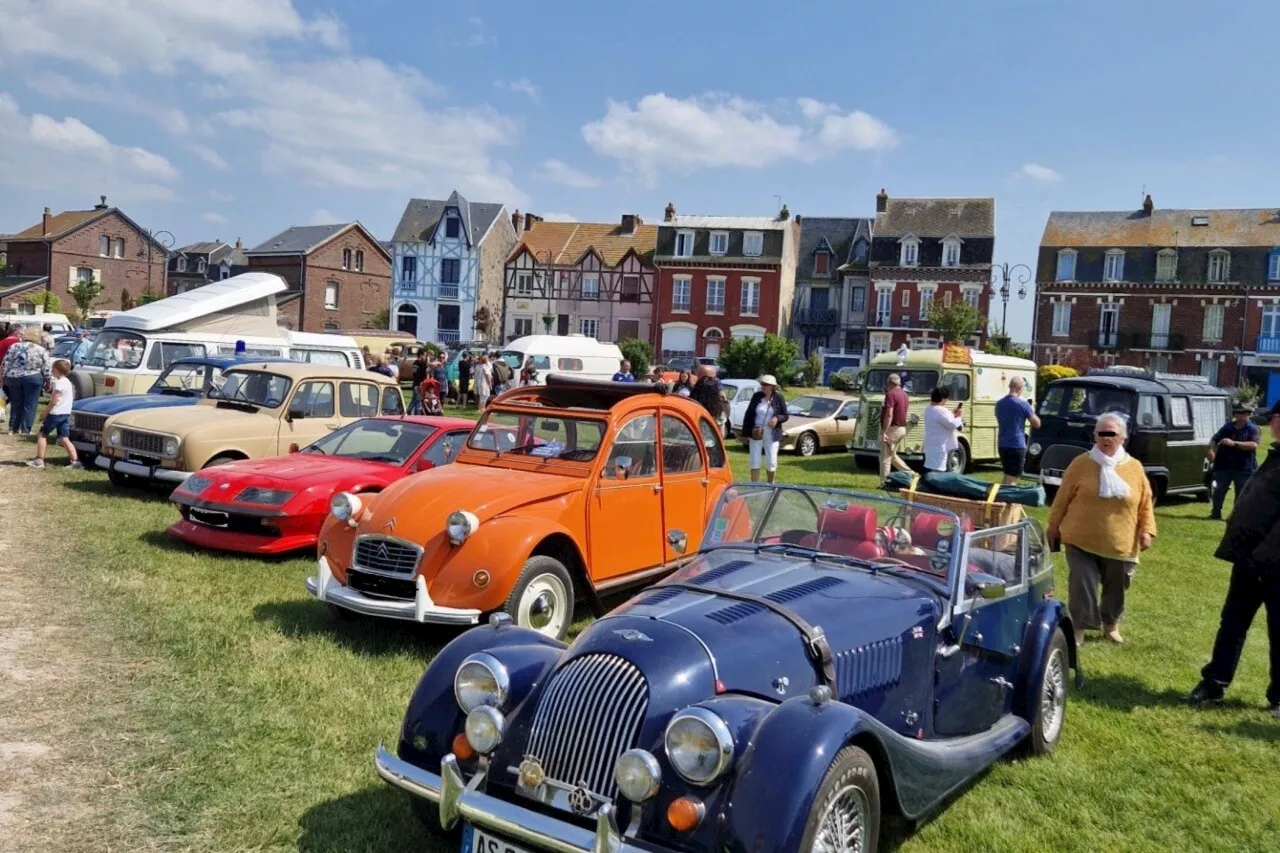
[272, 506]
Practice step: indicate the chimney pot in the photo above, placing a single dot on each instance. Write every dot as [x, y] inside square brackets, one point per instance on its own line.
[882, 201]
[239, 245]
[1148, 205]
[44, 223]
[517, 220]
[670, 213]
[784, 214]
[629, 223]
[101, 205]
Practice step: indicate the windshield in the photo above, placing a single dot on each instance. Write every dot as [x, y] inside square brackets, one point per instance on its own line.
[813, 407]
[513, 359]
[65, 349]
[541, 436]
[913, 381]
[253, 387]
[120, 350]
[187, 378]
[392, 442]
[1087, 401]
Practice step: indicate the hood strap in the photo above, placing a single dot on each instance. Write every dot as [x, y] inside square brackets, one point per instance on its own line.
[815, 641]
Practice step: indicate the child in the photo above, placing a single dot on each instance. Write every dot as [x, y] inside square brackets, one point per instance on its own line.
[430, 394]
[58, 417]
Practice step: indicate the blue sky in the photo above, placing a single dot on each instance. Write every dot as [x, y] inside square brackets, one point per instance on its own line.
[242, 117]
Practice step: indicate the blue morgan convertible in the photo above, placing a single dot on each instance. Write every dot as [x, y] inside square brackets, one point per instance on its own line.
[826, 660]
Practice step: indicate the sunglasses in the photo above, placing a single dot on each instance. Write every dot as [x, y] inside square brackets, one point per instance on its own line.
[1106, 433]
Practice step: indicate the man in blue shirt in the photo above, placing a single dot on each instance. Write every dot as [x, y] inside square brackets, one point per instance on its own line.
[1012, 414]
[1233, 452]
[624, 372]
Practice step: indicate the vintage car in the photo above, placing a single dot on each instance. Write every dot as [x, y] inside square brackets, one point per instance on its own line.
[817, 422]
[276, 505]
[254, 410]
[181, 384]
[563, 492]
[828, 658]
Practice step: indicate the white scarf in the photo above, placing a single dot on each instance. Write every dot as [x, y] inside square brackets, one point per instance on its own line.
[1110, 484]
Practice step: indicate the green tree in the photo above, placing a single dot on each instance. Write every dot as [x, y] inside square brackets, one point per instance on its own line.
[1247, 394]
[85, 294]
[149, 294]
[638, 353]
[999, 343]
[126, 300]
[812, 370]
[381, 319]
[749, 357]
[956, 322]
[46, 300]
[4, 267]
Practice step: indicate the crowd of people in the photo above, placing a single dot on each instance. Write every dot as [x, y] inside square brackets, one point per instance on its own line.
[27, 370]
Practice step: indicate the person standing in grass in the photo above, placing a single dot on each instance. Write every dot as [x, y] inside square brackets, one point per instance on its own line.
[1234, 454]
[941, 426]
[766, 413]
[1012, 414]
[464, 379]
[25, 368]
[1251, 543]
[893, 426]
[1104, 513]
[58, 417]
[484, 380]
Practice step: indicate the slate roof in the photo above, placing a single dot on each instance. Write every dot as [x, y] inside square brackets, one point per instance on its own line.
[567, 242]
[297, 240]
[204, 248]
[422, 215]
[838, 232]
[937, 217]
[1258, 227]
[748, 223]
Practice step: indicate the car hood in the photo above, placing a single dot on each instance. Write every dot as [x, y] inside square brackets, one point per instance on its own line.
[310, 468]
[795, 423]
[180, 421]
[111, 405]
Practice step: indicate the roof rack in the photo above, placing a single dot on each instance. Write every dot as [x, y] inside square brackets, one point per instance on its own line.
[1142, 373]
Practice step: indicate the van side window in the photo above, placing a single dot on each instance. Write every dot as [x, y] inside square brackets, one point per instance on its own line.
[958, 383]
[711, 441]
[1179, 412]
[327, 357]
[569, 364]
[314, 399]
[539, 362]
[1208, 414]
[392, 401]
[164, 354]
[1149, 414]
[358, 400]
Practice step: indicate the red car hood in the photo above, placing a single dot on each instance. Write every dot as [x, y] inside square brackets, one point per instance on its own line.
[296, 471]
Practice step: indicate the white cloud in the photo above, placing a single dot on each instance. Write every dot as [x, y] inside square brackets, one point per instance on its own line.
[523, 86]
[215, 218]
[1038, 173]
[479, 35]
[324, 217]
[553, 216]
[211, 157]
[559, 172]
[218, 195]
[682, 135]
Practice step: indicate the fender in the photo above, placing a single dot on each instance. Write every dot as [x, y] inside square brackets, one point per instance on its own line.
[434, 717]
[1051, 614]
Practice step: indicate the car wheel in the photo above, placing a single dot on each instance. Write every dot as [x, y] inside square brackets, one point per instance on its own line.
[807, 445]
[542, 599]
[87, 460]
[1050, 697]
[845, 814]
[123, 481]
[959, 462]
[219, 460]
[81, 383]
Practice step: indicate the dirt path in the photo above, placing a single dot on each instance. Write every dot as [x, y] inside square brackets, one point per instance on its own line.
[63, 695]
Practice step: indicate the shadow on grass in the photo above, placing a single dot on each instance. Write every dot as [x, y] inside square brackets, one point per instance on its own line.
[105, 488]
[377, 818]
[1267, 731]
[366, 635]
[1124, 693]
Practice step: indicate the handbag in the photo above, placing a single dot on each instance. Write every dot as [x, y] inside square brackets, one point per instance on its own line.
[757, 433]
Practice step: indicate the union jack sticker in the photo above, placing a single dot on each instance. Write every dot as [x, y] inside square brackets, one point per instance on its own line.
[917, 632]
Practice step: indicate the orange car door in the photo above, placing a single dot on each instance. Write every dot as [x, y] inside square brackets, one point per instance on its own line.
[625, 519]
[684, 485]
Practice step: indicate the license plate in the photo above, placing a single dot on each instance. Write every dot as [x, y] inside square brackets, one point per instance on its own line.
[478, 841]
[210, 518]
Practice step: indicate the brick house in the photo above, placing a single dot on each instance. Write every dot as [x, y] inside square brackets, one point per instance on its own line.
[101, 244]
[721, 277]
[1183, 291]
[591, 278]
[339, 276]
[832, 283]
[925, 250]
[200, 263]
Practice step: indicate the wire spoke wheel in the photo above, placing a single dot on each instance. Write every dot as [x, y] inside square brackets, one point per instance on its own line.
[1053, 695]
[842, 829]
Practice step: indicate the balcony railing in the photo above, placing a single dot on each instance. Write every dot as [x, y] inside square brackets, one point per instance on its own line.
[447, 291]
[428, 291]
[448, 336]
[819, 317]
[1269, 343]
[1151, 340]
[1108, 340]
[901, 321]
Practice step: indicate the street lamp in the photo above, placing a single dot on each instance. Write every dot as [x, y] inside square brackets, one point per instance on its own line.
[164, 238]
[1003, 275]
[544, 269]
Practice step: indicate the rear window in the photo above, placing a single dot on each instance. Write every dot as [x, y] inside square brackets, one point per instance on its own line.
[913, 381]
[1087, 401]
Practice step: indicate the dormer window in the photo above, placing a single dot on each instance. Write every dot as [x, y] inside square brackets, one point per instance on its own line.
[452, 227]
[1219, 265]
[822, 263]
[182, 263]
[1273, 265]
[910, 251]
[1167, 265]
[684, 244]
[719, 243]
[1066, 265]
[1113, 268]
[860, 251]
[201, 266]
[951, 252]
[752, 244]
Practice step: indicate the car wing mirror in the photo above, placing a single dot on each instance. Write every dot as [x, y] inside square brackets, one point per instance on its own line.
[986, 587]
[679, 541]
[295, 414]
[842, 417]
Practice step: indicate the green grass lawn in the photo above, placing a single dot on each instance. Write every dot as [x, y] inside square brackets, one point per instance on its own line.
[266, 709]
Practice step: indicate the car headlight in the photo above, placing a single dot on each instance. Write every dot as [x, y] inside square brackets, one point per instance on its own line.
[171, 447]
[195, 484]
[113, 438]
[461, 524]
[638, 775]
[699, 745]
[269, 497]
[1034, 449]
[345, 506]
[484, 729]
[481, 680]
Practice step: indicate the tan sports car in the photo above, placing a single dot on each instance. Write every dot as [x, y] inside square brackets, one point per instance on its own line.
[817, 422]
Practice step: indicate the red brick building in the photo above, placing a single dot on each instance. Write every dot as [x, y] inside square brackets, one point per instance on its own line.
[101, 244]
[721, 277]
[339, 276]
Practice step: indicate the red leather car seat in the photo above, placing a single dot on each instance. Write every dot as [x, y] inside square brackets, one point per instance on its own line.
[930, 528]
[850, 531]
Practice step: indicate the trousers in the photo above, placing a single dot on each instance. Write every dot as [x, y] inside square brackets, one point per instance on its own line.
[1222, 482]
[24, 399]
[1250, 588]
[889, 452]
[1087, 571]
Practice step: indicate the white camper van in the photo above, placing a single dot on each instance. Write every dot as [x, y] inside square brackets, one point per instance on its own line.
[61, 325]
[136, 346]
[564, 355]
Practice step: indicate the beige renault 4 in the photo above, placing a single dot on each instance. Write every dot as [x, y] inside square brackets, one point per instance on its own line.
[255, 410]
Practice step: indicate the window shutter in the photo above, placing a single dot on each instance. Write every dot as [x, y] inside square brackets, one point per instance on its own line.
[97, 276]
[71, 277]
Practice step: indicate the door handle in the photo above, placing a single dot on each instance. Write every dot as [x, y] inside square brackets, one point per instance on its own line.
[657, 488]
[705, 481]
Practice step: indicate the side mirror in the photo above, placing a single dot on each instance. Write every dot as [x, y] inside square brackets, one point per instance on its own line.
[678, 540]
[987, 587]
[295, 414]
[842, 417]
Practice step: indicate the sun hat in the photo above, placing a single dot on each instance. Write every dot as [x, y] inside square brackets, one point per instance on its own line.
[768, 379]
[1242, 408]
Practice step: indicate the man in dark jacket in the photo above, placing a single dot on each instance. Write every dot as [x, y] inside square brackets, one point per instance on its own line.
[464, 379]
[420, 367]
[1251, 544]
[1234, 454]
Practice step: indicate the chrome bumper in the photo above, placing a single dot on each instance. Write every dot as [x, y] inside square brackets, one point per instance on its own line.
[467, 801]
[133, 469]
[323, 587]
[85, 447]
[1051, 478]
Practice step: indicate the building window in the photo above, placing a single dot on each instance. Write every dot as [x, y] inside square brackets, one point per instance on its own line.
[331, 295]
[1209, 370]
[452, 227]
[752, 244]
[860, 252]
[680, 289]
[715, 296]
[104, 246]
[684, 244]
[631, 288]
[524, 284]
[359, 260]
[1061, 318]
[201, 266]
[591, 287]
[409, 267]
[719, 242]
[628, 329]
[449, 271]
[1273, 266]
[84, 275]
[951, 252]
[880, 343]
[857, 298]
[346, 259]
[119, 248]
[821, 263]
[523, 326]
[1066, 265]
[588, 326]
[973, 296]
[1213, 315]
[946, 298]
[1167, 265]
[906, 298]
[1113, 269]
[884, 306]
[1270, 321]
[1219, 265]
[926, 301]
[224, 272]
[182, 263]
[750, 298]
[910, 252]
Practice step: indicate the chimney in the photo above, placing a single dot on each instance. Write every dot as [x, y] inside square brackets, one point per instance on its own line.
[882, 201]
[239, 245]
[517, 221]
[797, 219]
[1148, 205]
[531, 220]
[102, 205]
[629, 223]
[670, 213]
[44, 224]
[784, 214]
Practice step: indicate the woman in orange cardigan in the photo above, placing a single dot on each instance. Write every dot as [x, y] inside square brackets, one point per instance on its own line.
[1103, 514]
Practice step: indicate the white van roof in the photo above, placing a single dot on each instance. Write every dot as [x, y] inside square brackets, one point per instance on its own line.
[219, 297]
[325, 340]
[563, 345]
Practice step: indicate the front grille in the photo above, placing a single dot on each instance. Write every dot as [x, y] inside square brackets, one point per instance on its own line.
[230, 522]
[589, 714]
[381, 586]
[1058, 456]
[384, 554]
[86, 423]
[873, 422]
[146, 443]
